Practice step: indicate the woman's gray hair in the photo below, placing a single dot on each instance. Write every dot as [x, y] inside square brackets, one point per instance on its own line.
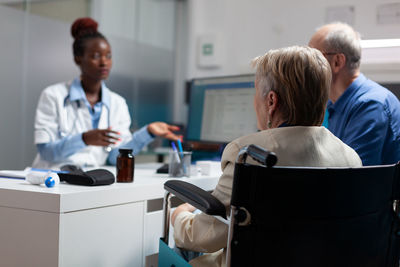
[342, 38]
[301, 77]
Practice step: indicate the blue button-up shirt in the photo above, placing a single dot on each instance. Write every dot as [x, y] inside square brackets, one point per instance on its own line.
[76, 93]
[367, 118]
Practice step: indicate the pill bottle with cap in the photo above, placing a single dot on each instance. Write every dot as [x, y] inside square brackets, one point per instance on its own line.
[125, 166]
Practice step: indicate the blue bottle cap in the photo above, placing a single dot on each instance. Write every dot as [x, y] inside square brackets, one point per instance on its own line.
[49, 182]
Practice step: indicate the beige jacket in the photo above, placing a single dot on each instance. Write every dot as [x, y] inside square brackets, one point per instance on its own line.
[294, 146]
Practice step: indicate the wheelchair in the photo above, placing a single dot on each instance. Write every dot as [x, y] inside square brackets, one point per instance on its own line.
[300, 216]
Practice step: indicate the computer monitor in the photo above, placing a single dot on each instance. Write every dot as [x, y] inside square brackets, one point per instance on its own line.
[221, 109]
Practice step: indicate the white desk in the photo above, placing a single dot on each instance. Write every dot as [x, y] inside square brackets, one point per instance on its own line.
[72, 225]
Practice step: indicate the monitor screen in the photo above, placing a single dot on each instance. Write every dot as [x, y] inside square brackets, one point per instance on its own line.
[221, 109]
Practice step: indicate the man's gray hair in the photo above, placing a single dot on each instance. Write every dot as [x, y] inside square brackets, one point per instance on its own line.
[342, 38]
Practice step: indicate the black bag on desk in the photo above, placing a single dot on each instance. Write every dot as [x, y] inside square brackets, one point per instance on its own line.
[91, 178]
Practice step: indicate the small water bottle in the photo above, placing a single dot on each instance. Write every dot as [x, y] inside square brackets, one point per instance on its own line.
[125, 166]
[50, 179]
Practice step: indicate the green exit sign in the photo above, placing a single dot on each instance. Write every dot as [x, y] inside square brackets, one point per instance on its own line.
[208, 49]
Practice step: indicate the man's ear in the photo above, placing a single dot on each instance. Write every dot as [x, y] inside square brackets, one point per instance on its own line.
[338, 62]
[77, 60]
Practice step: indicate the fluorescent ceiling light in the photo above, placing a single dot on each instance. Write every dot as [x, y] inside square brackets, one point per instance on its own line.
[380, 43]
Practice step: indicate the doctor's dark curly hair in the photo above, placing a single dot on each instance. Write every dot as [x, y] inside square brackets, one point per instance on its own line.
[84, 29]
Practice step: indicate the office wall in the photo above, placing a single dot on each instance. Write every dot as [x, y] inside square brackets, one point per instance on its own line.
[11, 85]
[35, 52]
[47, 60]
[51, 9]
[235, 24]
[142, 36]
[246, 29]
[249, 28]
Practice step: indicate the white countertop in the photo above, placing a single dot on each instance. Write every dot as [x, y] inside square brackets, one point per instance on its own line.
[68, 198]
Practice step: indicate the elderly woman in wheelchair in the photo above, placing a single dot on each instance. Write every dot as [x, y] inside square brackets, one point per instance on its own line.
[292, 86]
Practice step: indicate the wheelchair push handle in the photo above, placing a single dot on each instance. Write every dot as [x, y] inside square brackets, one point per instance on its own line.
[259, 154]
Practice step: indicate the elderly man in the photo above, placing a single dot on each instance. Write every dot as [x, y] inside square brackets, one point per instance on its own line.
[363, 114]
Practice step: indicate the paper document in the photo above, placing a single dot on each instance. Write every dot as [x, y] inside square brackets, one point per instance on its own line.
[14, 173]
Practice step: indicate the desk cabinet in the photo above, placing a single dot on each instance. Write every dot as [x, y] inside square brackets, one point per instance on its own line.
[105, 236]
[82, 226]
[28, 238]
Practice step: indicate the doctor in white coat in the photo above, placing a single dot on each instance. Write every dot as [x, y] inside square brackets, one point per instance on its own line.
[83, 122]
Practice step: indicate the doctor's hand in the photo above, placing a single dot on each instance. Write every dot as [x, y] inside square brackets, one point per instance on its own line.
[163, 130]
[100, 137]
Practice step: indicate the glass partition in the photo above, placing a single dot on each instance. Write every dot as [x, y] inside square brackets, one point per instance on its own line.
[12, 110]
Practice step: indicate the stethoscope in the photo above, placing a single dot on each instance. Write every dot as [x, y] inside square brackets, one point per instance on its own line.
[63, 132]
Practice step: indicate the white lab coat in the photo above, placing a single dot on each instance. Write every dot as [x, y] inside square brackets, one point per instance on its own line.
[58, 117]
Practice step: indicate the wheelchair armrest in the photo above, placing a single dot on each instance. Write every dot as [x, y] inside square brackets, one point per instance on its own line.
[196, 197]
